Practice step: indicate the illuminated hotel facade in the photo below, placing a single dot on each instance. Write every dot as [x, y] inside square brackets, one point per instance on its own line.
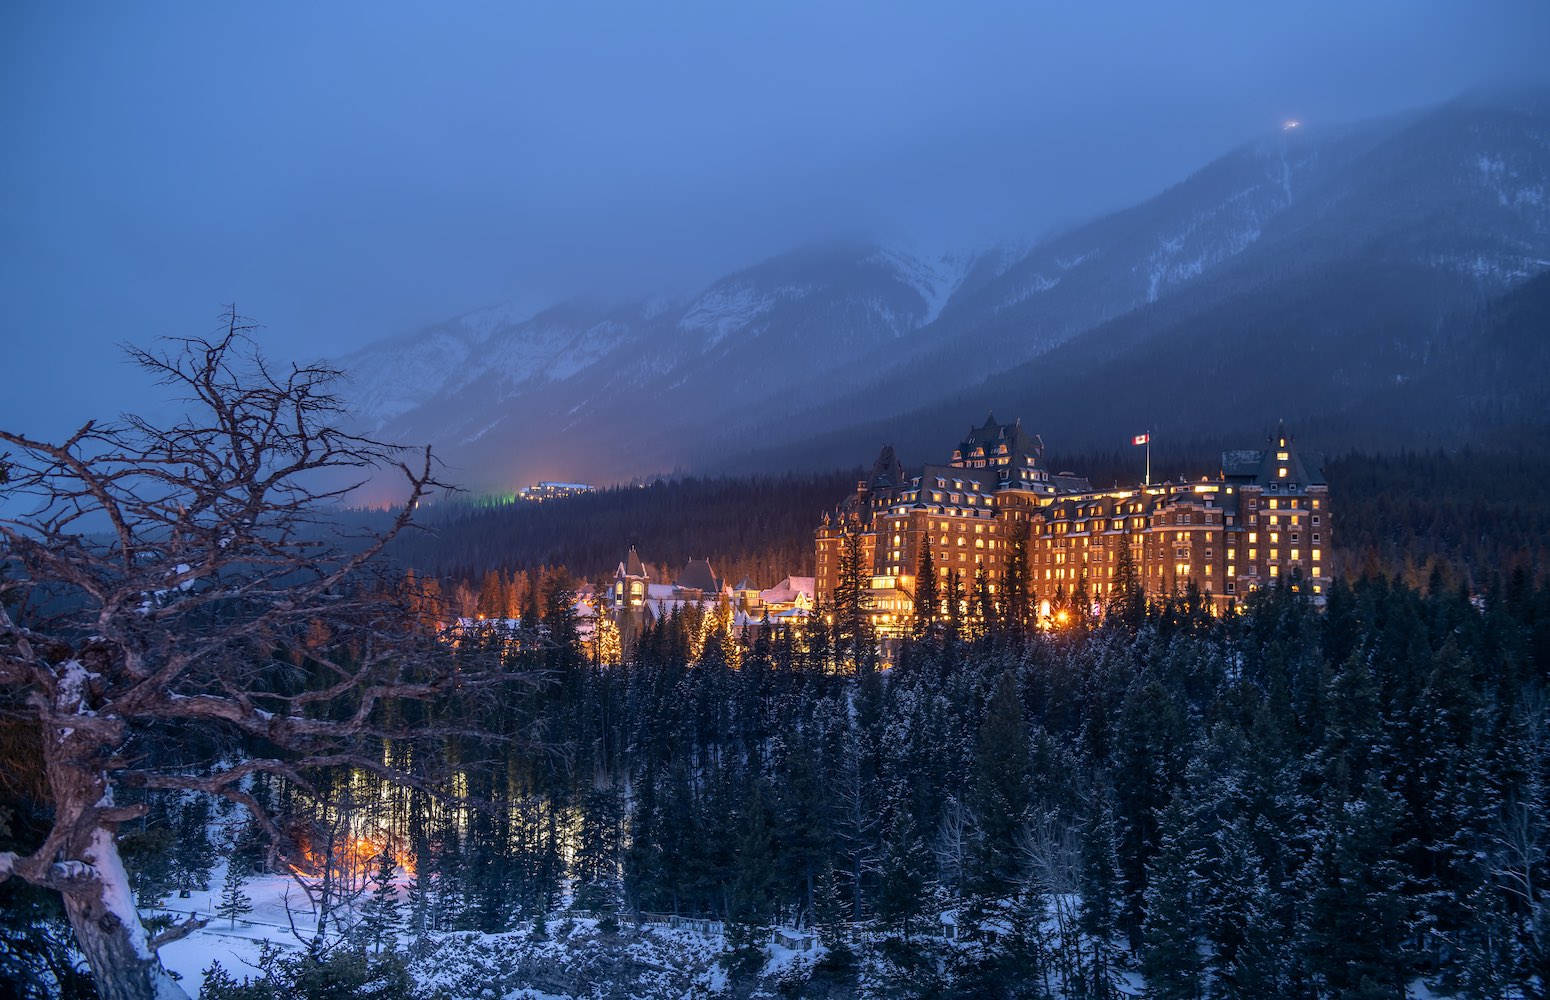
[1264, 518]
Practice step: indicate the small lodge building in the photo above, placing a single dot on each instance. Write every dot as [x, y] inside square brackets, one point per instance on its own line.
[636, 601]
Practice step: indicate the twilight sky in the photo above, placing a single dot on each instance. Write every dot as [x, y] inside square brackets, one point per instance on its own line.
[345, 171]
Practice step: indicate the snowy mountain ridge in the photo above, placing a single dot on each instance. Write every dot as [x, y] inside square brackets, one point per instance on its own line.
[837, 334]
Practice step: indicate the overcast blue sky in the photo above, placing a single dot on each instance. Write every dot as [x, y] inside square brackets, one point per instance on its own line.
[345, 172]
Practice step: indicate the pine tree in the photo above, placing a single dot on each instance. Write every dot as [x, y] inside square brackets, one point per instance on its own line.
[853, 640]
[1355, 942]
[379, 914]
[750, 906]
[1172, 932]
[193, 855]
[956, 606]
[901, 873]
[233, 902]
[983, 620]
[928, 602]
[1101, 895]
[599, 849]
[999, 793]
[220, 985]
[1126, 606]
[1016, 595]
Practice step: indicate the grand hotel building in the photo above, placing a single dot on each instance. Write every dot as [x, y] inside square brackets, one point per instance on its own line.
[1264, 518]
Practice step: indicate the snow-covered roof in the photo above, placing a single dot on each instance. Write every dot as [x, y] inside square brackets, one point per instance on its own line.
[787, 590]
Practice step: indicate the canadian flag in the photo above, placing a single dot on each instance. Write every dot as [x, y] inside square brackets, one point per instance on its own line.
[1140, 439]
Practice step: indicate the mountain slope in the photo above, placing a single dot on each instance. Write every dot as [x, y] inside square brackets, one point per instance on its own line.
[1302, 273]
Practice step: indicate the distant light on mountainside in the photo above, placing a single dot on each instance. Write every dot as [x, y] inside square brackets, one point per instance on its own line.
[1314, 270]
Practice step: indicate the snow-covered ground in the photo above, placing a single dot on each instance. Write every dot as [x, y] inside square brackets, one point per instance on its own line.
[569, 960]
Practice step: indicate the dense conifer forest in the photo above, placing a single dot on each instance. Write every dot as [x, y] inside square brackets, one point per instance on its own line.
[1286, 801]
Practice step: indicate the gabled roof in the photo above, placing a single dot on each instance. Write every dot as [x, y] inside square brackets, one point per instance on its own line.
[887, 471]
[633, 565]
[1303, 468]
[697, 575]
[994, 441]
[788, 590]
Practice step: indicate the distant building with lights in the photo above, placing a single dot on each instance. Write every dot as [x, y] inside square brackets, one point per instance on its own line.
[552, 491]
[1263, 518]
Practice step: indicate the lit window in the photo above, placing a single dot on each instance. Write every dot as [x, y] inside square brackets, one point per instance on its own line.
[1316, 572]
[1281, 456]
[1294, 555]
[1275, 571]
[1253, 553]
[1316, 553]
[1253, 536]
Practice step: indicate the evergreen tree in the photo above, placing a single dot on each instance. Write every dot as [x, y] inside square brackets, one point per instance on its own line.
[1172, 933]
[194, 856]
[1355, 942]
[982, 608]
[1126, 606]
[750, 902]
[219, 984]
[902, 871]
[999, 793]
[379, 913]
[928, 602]
[957, 606]
[1017, 597]
[233, 901]
[599, 847]
[1101, 896]
[854, 642]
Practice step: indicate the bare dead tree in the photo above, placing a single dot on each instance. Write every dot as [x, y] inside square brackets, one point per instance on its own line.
[191, 575]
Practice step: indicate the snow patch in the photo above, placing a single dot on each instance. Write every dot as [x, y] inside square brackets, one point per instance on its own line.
[934, 278]
[733, 306]
[117, 898]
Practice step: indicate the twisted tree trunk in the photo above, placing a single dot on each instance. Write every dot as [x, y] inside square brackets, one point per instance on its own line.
[109, 932]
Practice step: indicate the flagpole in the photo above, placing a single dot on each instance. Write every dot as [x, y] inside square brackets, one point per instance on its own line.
[1148, 459]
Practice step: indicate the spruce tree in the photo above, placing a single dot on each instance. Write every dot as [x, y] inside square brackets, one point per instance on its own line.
[233, 901]
[1015, 580]
[379, 913]
[1356, 934]
[928, 602]
[902, 872]
[1172, 934]
[999, 794]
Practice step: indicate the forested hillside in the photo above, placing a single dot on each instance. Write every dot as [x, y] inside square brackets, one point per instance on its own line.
[1285, 803]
